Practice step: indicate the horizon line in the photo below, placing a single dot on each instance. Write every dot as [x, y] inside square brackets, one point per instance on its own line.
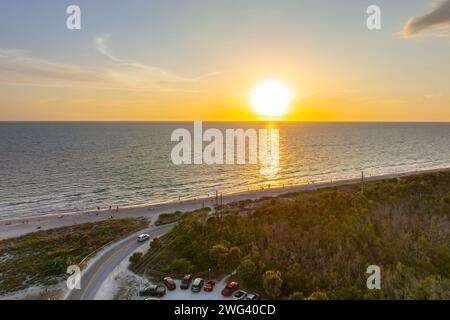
[223, 121]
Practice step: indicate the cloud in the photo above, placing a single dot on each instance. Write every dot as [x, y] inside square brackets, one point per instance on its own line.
[139, 74]
[20, 68]
[437, 17]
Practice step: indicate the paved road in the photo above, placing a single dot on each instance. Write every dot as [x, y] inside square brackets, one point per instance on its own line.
[93, 277]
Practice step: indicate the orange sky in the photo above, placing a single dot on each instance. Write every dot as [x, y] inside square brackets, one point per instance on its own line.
[203, 69]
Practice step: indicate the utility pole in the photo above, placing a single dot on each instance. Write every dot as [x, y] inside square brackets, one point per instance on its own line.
[362, 181]
[217, 198]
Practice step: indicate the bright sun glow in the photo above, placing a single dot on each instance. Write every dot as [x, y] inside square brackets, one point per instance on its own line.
[271, 98]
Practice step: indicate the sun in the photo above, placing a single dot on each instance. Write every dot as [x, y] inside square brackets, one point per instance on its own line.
[271, 98]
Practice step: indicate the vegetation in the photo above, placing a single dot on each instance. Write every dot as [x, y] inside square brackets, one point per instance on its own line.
[42, 258]
[166, 218]
[135, 258]
[179, 266]
[318, 244]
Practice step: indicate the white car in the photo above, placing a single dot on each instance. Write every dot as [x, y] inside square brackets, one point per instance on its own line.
[143, 237]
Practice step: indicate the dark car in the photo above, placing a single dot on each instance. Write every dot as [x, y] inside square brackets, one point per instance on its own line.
[186, 282]
[230, 288]
[170, 283]
[209, 285]
[197, 285]
[153, 290]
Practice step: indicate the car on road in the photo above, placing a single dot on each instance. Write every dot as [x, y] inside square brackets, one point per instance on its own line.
[197, 285]
[143, 237]
[239, 295]
[153, 290]
[230, 288]
[209, 285]
[186, 282]
[170, 283]
[251, 296]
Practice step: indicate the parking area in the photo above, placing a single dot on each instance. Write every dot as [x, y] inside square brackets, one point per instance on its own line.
[180, 294]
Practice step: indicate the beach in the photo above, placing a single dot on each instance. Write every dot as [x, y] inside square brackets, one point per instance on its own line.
[15, 227]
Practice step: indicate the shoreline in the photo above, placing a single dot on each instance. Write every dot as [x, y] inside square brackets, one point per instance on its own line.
[15, 227]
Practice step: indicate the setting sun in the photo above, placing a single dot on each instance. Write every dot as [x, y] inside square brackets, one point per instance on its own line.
[271, 98]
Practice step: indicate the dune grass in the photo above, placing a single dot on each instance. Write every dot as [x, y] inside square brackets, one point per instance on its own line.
[41, 258]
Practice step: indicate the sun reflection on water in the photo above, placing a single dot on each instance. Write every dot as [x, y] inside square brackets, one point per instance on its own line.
[269, 151]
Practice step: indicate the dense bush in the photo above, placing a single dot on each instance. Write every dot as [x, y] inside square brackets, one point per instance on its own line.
[179, 266]
[321, 242]
[135, 258]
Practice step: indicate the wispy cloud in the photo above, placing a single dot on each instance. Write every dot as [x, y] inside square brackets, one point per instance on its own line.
[437, 17]
[141, 75]
[18, 67]
[21, 68]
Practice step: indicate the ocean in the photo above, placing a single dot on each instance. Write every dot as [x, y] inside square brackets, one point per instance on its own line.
[58, 167]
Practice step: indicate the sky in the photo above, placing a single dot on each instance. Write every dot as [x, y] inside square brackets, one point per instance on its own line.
[185, 60]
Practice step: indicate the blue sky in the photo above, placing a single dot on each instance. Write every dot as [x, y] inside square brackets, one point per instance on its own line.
[213, 51]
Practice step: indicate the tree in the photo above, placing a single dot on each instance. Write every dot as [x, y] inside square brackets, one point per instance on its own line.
[297, 295]
[234, 257]
[222, 262]
[135, 258]
[179, 266]
[217, 250]
[272, 283]
[318, 295]
[248, 272]
[294, 277]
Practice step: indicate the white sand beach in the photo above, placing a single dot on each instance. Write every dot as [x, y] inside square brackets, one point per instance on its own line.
[16, 227]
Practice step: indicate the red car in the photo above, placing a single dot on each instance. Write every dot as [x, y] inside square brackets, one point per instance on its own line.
[230, 288]
[170, 283]
[209, 286]
[186, 282]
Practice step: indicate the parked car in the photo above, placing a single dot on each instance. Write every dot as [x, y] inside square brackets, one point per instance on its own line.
[239, 295]
[170, 283]
[186, 282]
[209, 285]
[230, 288]
[197, 285]
[153, 290]
[143, 237]
[251, 296]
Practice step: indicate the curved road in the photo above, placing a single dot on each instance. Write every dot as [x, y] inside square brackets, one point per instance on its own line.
[93, 277]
